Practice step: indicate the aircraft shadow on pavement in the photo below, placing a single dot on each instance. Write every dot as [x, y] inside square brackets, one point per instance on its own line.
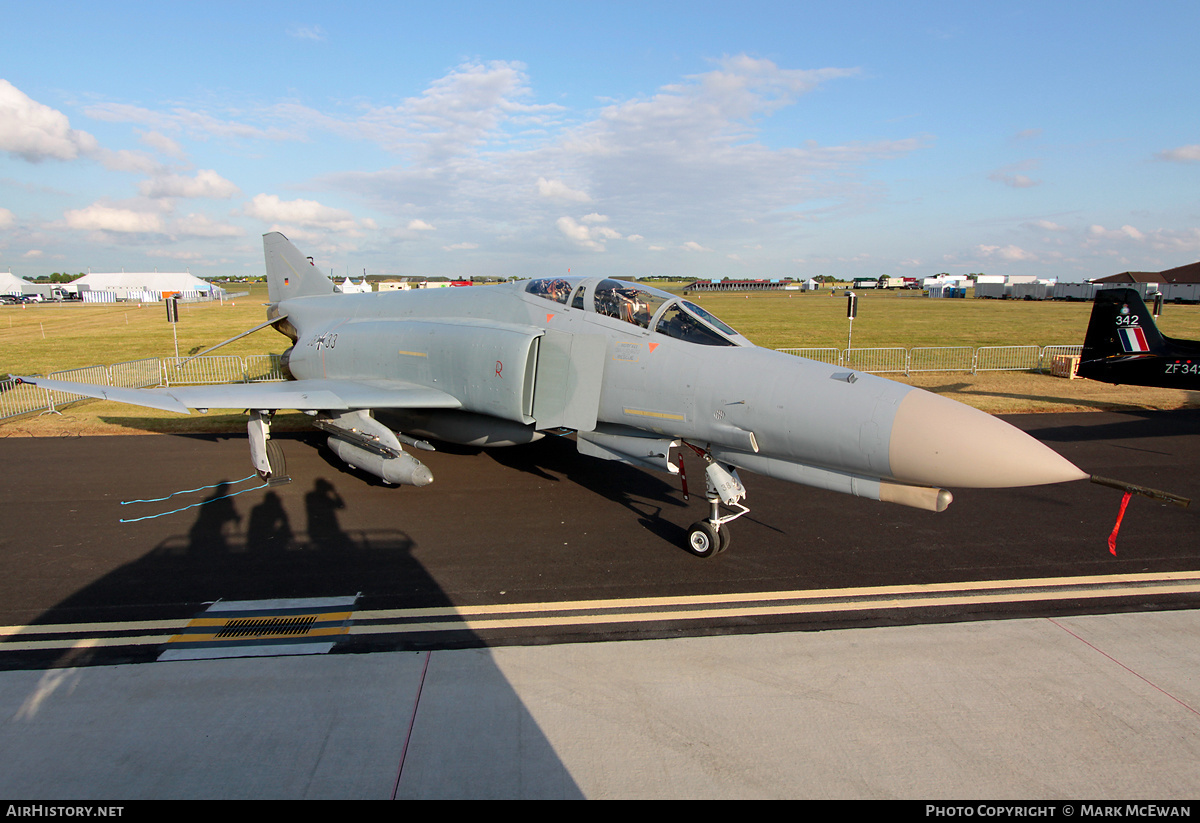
[646, 495]
[556, 459]
[279, 543]
[1130, 425]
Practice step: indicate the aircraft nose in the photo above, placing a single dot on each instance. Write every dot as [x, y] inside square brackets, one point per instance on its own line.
[936, 441]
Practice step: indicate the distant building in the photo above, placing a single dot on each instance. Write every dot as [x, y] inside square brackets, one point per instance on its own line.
[1180, 274]
[397, 285]
[11, 284]
[406, 283]
[738, 285]
[348, 286]
[145, 286]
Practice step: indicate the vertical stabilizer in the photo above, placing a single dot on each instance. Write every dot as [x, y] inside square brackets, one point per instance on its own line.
[289, 273]
[1120, 325]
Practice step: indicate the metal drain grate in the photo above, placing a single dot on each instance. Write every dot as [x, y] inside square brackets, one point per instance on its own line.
[267, 627]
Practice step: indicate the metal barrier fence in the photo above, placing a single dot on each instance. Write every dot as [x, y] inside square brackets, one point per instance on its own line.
[876, 360]
[831, 356]
[177, 371]
[264, 368]
[17, 399]
[947, 358]
[1007, 358]
[956, 358]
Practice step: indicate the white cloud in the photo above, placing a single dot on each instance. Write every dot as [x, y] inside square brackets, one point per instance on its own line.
[1045, 225]
[315, 33]
[97, 217]
[1016, 181]
[558, 190]
[1183, 154]
[470, 107]
[163, 144]
[199, 225]
[6, 218]
[682, 159]
[461, 247]
[270, 209]
[34, 254]
[137, 162]
[1170, 241]
[588, 236]
[36, 132]
[207, 184]
[1011, 176]
[478, 157]
[188, 256]
[1010, 253]
[203, 125]
[575, 231]
[1126, 232]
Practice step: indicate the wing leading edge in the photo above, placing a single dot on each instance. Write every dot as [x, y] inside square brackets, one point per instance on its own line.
[314, 394]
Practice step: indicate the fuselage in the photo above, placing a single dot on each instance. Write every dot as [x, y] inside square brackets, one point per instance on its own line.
[641, 360]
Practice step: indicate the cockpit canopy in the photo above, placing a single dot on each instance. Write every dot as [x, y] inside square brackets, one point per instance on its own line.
[641, 306]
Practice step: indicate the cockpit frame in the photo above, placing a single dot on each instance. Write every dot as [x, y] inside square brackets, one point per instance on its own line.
[639, 308]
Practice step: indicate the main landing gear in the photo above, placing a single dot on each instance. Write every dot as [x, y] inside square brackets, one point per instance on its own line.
[266, 454]
[708, 537]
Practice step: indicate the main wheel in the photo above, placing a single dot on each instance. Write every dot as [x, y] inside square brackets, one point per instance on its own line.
[276, 460]
[702, 539]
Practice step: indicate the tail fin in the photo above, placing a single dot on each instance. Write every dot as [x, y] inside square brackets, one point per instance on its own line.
[1120, 325]
[289, 273]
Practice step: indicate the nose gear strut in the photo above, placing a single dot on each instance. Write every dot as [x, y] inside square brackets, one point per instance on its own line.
[721, 486]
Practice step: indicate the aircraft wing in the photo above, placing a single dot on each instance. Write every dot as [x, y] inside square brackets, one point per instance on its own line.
[294, 394]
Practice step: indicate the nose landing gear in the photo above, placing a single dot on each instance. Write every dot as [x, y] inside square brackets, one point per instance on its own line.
[708, 537]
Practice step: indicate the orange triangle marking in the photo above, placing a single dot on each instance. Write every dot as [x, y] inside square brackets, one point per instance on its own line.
[653, 346]
[549, 317]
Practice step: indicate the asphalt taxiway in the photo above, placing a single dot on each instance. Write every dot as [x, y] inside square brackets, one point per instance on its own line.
[339, 638]
[1089, 708]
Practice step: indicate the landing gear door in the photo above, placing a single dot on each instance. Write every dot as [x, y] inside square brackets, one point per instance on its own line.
[570, 372]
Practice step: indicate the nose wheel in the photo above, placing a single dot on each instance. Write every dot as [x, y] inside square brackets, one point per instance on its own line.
[704, 539]
[708, 537]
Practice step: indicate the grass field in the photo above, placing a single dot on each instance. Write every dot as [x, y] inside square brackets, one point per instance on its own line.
[908, 320]
[45, 338]
[50, 337]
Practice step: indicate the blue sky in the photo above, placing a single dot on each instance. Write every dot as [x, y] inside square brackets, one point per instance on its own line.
[745, 139]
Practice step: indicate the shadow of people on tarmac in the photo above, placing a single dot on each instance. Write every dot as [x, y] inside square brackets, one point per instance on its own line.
[321, 505]
[269, 528]
[209, 533]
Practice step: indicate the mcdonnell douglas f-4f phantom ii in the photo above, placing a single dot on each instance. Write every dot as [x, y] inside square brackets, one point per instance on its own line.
[635, 372]
[1124, 345]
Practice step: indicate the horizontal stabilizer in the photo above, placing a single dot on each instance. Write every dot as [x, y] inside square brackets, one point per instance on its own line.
[294, 394]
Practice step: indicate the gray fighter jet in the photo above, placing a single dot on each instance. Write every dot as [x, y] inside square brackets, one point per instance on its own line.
[636, 373]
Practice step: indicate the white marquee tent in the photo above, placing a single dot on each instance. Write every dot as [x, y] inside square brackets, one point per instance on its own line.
[151, 286]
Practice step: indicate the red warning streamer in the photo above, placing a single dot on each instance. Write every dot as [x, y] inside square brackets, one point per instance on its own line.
[1112, 538]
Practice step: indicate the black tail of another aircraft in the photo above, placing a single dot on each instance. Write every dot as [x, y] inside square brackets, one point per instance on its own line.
[1123, 345]
[289, 273]
[1121, 325]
